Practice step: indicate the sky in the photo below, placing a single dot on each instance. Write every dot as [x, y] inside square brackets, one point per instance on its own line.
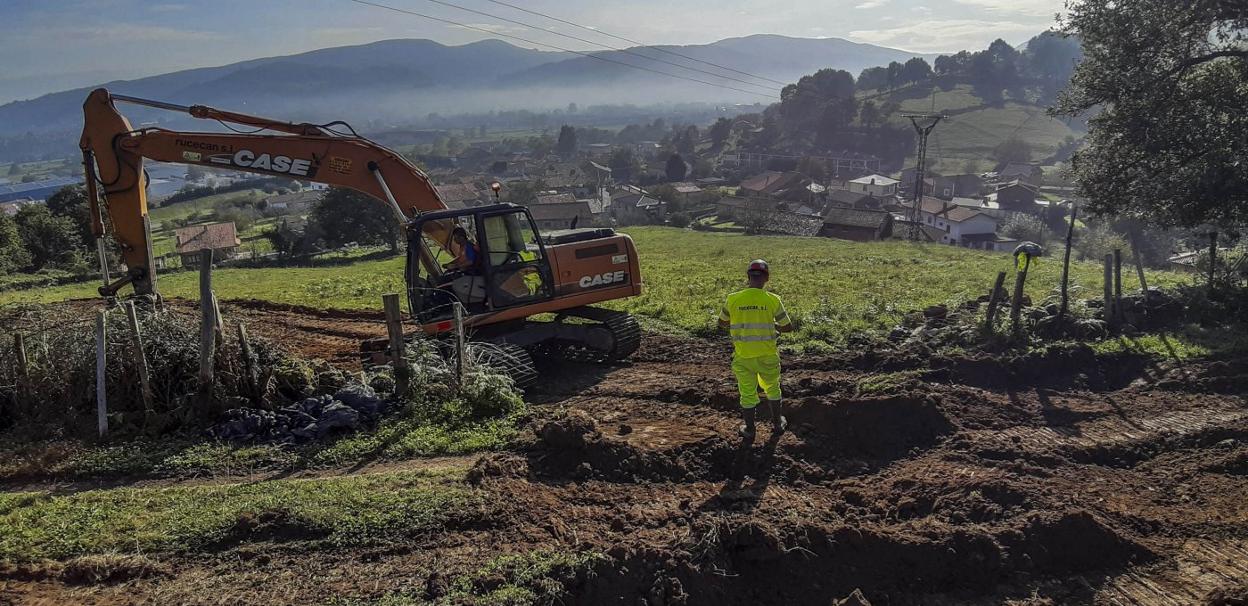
[52, 45]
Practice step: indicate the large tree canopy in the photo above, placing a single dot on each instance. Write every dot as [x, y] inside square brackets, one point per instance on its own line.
[1171, 82]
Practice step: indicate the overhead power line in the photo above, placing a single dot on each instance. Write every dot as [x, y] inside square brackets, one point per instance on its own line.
[558, 48]
[631, 41]
[587, 41]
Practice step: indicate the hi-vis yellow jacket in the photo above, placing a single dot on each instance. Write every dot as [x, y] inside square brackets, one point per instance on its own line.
[753, 315]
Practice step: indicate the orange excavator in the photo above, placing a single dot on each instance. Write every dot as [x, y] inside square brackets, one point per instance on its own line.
[492, 261]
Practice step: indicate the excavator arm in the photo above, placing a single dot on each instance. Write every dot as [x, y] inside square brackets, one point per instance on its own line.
[113, 155]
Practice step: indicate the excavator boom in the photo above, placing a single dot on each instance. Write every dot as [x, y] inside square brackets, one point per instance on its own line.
[113, 154]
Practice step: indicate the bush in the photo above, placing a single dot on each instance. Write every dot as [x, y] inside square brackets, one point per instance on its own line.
[681, 220]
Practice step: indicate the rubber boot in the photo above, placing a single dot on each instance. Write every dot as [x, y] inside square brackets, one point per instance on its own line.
[778, 419]
[747, 428]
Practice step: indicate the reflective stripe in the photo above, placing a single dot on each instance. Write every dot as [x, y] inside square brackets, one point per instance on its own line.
[782, 316]
[750, 325]
[751, 338]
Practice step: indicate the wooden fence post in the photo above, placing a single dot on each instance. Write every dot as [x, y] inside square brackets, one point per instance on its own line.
[394, 327]
[23, 363]
[460, 350]
[250, 366]
[140, 360]
[207, 335]
[218, 323]
[994, 300]
[1070, 236]
[1139, 264]
[23, 370]
[101, 370]
[1213, 256]
[1118, 311]
[1110, 315]
[1016, 305]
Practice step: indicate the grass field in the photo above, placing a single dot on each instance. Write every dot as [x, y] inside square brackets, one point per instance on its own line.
[355, 510]
[834, 287]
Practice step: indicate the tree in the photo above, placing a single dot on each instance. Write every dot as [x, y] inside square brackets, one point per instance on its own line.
[916, 70]
[1012, 150]
[1171, 81]
[13, 255]
[676, 168]
[345, 215]
[71, 202]
[566, 146]
[870, 114]
[51, 241]
[720, 131]
[873, 78]
[14, 168]
[1026, 227]
[524, 193]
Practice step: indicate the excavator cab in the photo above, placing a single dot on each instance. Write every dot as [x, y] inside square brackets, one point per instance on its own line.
[506, 267]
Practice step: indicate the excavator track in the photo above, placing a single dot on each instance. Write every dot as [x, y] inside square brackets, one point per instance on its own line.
[624, 337]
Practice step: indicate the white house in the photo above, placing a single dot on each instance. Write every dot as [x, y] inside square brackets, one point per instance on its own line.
[961, 225]
[874, 185]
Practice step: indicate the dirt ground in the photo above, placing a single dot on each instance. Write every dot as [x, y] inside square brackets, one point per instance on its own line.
[1059, 479]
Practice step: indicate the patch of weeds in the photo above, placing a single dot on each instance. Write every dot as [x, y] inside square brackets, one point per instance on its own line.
[218, 458]
[885, 382]
[527, 579]
[536, 577]
[346, 511]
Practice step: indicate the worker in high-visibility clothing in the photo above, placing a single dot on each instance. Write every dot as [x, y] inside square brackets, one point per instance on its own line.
[754, 317]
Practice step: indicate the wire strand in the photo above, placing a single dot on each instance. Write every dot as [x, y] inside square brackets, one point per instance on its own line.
[606, 46]
[558, 48]
[642, 44]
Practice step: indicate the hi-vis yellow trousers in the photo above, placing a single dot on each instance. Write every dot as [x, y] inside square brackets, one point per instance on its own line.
[752, 373]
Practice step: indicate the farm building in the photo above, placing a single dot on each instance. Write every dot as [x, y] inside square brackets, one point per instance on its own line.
[296, 203]
[1015, 196]
[856, 224]
[35, 190]
[221, 238]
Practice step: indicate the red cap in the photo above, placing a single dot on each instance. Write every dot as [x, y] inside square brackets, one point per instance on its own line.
[758, 266]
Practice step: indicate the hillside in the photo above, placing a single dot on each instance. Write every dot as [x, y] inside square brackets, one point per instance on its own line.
[977, 124]
[781, 58]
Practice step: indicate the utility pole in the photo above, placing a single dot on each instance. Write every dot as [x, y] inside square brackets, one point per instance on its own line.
[923, 128]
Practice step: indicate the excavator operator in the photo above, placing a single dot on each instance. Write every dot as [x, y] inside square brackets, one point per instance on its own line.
[469, 259]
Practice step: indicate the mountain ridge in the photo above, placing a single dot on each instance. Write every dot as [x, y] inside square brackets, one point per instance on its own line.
[398, 74]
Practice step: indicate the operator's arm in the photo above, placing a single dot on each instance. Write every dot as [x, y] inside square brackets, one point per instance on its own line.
[724, 318]
[783, 322]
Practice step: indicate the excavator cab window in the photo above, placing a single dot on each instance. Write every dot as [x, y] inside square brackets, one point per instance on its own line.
[505, 267]
[519, 272]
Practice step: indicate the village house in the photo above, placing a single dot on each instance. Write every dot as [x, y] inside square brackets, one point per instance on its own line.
[561, 215]
[857, 225]
[637, 208]
[462, 195]
[555, 198]
[775, 184]
[958, 223]
[221, 238]
[1027, 172]
[1015, 196]
[874, 185]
